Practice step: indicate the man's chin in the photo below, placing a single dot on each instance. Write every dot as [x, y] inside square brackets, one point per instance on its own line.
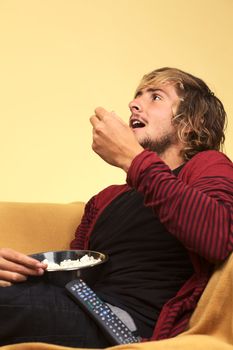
[139, 136]
[158, 146]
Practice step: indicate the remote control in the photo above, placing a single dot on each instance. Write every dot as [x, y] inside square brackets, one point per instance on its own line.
[116, 331]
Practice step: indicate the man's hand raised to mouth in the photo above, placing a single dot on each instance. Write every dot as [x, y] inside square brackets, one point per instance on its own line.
[113, 139]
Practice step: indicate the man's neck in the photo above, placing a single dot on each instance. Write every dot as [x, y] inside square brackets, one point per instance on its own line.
[172, 157]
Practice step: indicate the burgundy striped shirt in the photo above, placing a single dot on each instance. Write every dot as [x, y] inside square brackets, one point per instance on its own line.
[196, 207]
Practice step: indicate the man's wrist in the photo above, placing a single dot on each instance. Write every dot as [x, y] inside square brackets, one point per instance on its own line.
[127, 163]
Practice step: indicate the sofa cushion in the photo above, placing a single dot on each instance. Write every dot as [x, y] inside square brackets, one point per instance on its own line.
[36, 227]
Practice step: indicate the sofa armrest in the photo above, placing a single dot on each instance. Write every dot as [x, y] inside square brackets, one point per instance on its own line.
[36, 227]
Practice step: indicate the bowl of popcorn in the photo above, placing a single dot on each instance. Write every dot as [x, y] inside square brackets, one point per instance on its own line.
[66, 265]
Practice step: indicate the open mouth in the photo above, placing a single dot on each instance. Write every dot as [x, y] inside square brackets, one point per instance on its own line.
[136, 123]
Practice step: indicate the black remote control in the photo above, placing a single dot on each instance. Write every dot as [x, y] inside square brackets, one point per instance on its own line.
[116, 331]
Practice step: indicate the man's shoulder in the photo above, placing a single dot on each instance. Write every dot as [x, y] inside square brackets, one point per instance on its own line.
[207, 164]
[207, 158]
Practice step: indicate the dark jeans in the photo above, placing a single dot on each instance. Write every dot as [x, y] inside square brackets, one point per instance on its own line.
[42, 312]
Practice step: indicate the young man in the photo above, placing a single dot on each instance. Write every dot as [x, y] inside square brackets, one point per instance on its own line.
[164, 229]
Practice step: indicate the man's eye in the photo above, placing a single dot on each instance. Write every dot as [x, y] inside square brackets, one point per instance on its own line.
[156, 97]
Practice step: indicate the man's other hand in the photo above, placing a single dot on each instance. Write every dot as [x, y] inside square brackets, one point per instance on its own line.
[16, 267]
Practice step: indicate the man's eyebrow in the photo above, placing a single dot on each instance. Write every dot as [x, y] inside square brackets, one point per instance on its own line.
[139, 92]
[156, 90]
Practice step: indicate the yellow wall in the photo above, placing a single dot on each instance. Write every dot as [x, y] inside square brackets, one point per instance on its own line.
[60, 59]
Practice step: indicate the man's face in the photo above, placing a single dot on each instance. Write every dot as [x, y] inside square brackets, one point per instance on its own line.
[152, 111]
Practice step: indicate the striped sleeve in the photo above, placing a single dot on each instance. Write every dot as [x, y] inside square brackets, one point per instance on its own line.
[82, 231]
[198, 211]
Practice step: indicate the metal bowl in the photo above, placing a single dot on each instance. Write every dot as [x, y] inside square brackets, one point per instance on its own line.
[89, 273]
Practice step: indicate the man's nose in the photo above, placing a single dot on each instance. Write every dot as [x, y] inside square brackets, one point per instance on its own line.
[135, 106]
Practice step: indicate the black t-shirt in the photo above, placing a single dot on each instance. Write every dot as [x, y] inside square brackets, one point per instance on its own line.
[147, 265]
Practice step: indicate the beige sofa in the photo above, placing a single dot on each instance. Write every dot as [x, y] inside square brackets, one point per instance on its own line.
[35, 227]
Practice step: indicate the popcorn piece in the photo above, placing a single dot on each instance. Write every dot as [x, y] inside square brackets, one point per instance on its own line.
[85, 260]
